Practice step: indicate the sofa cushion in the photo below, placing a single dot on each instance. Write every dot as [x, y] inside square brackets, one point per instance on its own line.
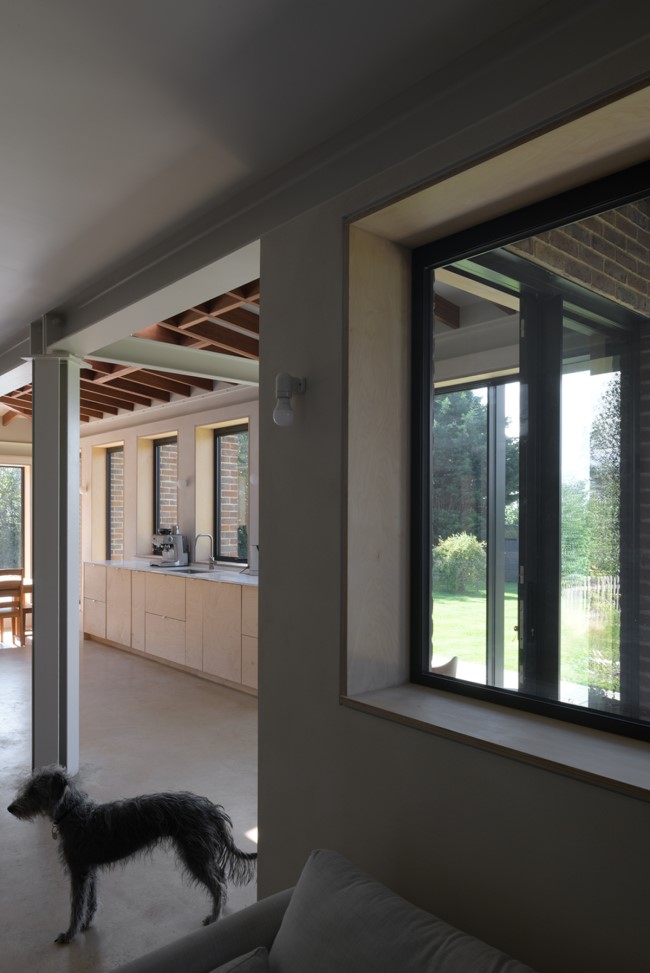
[341, 920]
[257, 961]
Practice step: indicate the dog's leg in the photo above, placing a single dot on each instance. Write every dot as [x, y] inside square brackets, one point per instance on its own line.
[79, 895]
[215, 882]
[91, 901]
[206, 872]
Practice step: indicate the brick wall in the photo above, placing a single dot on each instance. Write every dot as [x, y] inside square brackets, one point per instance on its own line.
[233, 494]
[608, 253]
[116, 503]
[644, 524]
[167, 485]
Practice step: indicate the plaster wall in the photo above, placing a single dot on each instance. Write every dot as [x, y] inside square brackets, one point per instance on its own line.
[551, 869]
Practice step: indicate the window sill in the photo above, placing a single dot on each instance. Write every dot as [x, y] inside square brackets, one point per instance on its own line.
[603, 759]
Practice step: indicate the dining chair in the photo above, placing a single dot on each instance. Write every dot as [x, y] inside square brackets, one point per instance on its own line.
[11, 606]
[26, 602]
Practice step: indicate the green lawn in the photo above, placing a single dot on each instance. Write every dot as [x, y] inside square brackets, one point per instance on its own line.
[459, 624]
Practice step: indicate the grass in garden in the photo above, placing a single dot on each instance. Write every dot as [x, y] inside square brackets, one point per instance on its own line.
[459, 624]
[459, 628]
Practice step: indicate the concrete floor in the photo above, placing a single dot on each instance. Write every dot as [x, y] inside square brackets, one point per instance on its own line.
[144, 727]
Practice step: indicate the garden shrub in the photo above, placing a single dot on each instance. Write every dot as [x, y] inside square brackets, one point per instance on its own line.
[459, 564]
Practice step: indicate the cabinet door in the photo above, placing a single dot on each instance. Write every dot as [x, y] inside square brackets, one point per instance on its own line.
[194, 592]
[95, 581]
[222, 630]
[165, 595]
[249, 611]
[249, 661]
[95, 617]
[118, 605]
[137, 610]
[165, 637]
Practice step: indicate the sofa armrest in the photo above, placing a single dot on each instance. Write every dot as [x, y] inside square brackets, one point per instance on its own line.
[207, 948]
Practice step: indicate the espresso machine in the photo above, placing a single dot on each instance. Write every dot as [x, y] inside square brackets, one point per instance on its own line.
[174, 548]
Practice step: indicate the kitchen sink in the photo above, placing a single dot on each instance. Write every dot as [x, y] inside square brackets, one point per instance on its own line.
[187, 570]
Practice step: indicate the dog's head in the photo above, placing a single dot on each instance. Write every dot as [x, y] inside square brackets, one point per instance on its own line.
[40, 793]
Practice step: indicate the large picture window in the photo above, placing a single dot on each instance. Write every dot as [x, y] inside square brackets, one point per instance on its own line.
[231, 493]
[531, 444]
[11, 517]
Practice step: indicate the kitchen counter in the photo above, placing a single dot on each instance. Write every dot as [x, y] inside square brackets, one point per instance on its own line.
[222, 572]
[202, 621]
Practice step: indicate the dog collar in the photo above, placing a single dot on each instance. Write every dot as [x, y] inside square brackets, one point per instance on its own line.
[57, 821]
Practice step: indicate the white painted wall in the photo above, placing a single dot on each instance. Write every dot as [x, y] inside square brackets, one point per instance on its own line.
[550, 869]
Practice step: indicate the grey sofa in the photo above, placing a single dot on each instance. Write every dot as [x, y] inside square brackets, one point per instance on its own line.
[336, 920]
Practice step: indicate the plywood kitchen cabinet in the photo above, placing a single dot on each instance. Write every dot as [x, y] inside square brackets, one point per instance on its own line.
[222, 629]
[249, 641]
[206, 627]
[164, 619]
[137, 610]
[118, 605]
[95, 600]
[194, 625]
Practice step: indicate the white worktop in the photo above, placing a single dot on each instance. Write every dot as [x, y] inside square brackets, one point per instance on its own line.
[232, 575]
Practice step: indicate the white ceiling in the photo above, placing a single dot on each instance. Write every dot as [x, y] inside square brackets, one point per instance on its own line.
[123, 120]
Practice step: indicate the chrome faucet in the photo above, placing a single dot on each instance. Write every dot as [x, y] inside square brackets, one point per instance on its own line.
[211, 559]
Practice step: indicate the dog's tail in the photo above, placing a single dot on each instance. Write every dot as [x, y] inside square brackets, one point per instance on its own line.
[239, 865]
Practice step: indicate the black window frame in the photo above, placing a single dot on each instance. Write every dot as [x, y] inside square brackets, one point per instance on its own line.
[219, 433]
[568, 207]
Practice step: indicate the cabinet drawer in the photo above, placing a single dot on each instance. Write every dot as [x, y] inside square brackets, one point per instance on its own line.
[165, 637]
[95, 617]
[165, 595]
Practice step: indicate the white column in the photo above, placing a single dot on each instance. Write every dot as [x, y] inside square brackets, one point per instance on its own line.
[55, 432]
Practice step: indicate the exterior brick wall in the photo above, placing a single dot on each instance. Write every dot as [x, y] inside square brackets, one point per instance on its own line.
[229, 495]
[116, 503]
[167, 485]
[233, 493]
[608, 253]
[644, 524]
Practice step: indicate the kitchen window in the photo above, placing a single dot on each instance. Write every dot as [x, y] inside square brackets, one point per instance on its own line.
[231, 493]
[115, 503]
[165, 483]
[531, 448]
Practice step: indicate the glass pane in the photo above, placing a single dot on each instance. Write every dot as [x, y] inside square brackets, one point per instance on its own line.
[459, 519]
[115, 465]
[233, 495]
[167, 485]
[590, 614]
[509, 544]
[11, 517]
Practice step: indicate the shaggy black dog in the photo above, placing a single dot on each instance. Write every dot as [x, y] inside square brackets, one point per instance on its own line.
[93, 836]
